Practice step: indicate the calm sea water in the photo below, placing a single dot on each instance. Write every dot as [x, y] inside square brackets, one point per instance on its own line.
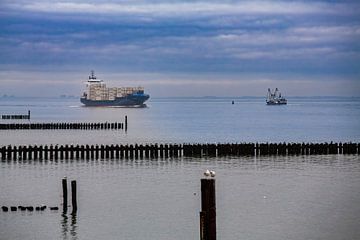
[193, 120]
[297, 197]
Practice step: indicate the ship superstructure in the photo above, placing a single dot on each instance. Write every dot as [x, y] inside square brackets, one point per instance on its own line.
[97, 94]
[275, 98]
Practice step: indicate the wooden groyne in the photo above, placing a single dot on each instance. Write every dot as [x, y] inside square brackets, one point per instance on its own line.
[135, 151]
[16, 116]
[63, 126]
[54, 208]
[27, 208]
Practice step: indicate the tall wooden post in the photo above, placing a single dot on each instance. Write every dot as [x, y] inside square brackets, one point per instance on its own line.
[73, 196]
[65, 193]
[208, 210]
[126, 124]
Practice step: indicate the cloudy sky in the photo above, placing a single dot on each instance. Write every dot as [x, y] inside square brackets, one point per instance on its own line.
[181, 48]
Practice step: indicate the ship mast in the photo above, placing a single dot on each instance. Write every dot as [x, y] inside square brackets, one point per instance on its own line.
[276, 93]
[269, 95]
[92, 77]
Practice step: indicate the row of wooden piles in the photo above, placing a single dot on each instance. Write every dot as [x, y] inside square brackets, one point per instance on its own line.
[240, 149]
[16, 116]
[172, 150]
[62, 126]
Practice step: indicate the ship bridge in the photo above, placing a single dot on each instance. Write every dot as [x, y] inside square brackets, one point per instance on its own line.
[93, 79]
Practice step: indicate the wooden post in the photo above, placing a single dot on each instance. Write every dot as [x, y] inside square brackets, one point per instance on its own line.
[166, 150]
[117, 151]
[3, 153]
[73, 196]
[65, 192]
[141, 149]
[24, 152]
[82, 152]
[30, 150]
[92, 150]
[107, 151]
[126, 123]
[56, 152]
[96, 152]
[102, 151]
[208, 210]
[14, 153]
[87, 151]
[51, 151]
[77, 151]
[61, 150]
[131, 148]
[147, 150]
[112, 148]
[9, 150]
[136, 148]
[126, 151]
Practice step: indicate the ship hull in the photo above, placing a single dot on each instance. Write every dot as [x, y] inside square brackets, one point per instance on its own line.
[128, 101]
[276, 103]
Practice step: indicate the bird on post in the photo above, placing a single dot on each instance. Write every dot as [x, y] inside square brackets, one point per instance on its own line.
[209, 173]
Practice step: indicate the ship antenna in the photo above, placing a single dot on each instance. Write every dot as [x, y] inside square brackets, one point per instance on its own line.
[92, 75]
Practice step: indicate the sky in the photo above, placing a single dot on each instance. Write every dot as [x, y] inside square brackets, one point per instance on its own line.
[181, 48]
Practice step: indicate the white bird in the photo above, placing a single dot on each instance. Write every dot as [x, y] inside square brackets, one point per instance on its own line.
[207, 173]
[212, 173]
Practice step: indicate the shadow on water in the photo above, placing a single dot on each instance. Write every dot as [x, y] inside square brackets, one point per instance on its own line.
[69, 231]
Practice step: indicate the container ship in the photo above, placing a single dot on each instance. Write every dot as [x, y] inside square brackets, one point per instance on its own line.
[97, 94]
[275, 98]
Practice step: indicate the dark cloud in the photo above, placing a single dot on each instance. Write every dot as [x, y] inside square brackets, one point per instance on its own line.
[278, 38]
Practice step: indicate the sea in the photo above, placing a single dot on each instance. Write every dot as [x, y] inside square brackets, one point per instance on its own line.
[257, 197]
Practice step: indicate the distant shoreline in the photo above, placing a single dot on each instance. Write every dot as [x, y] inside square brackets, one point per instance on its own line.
[190, 97]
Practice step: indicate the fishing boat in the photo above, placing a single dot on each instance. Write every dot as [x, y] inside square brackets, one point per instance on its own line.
[275, 98]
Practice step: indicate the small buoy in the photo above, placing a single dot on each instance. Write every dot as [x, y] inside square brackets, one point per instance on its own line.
[265, 197]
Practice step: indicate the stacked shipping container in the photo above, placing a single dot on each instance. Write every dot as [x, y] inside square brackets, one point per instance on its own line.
[99, 91]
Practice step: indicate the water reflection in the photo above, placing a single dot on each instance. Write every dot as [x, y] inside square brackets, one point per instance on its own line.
[64, 226]
[69, 232]
[73, 226]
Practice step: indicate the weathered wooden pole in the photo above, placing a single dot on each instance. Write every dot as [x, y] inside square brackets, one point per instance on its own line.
[65, 193]
[3, 153]
[126, 124]
[208, 210]
[73, 196]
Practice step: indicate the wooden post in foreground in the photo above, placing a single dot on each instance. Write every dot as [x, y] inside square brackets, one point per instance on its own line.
[73, 196]
[208, 210]
[65, 193]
